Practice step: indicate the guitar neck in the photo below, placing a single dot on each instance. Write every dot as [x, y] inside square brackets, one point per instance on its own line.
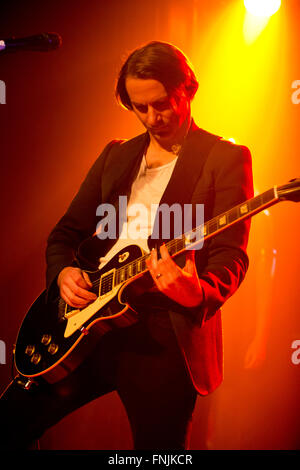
[227, 219]
[200, 234]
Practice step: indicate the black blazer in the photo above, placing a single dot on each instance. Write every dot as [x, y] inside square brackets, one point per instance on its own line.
[208, 171]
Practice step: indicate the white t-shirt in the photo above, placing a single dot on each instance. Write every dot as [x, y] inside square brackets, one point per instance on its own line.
[146, 193]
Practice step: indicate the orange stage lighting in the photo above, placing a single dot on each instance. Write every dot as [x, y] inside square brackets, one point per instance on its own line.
[262, 8]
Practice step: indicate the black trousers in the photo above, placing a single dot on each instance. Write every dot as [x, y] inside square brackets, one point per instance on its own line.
[142, 363]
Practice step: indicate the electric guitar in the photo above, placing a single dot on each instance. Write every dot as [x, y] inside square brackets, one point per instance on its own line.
[54, 338]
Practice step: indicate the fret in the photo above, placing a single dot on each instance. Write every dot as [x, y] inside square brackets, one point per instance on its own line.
[212, 226]
[244, 209]
[142, 264]
[128, 269]
[222, 220]
[240, 211]
[133, 269]
[190, 237]
[261, 199]
[268, 195]
[233, 215]
[139, 264]
[255, 203]
[179, 244]
[122, 274]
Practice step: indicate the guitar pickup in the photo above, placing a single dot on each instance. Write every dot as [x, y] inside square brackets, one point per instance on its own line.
[107, 282]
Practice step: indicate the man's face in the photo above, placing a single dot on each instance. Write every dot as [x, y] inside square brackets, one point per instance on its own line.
[161, 114]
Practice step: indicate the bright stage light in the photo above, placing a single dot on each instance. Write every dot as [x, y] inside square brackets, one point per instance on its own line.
[262, 8]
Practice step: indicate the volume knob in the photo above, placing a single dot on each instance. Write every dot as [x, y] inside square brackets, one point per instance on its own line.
[52, 349]
[46, 339]
[29, 350]
[36, 358]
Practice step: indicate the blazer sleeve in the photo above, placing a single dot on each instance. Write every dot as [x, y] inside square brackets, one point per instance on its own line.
[78, 223]
[229, 171]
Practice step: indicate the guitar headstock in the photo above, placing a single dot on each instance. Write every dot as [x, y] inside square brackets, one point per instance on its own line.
[290, 191]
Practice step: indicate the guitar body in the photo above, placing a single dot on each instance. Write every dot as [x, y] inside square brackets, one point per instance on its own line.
[54, 338]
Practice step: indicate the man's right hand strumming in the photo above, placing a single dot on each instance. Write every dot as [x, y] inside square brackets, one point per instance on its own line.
[74, 285]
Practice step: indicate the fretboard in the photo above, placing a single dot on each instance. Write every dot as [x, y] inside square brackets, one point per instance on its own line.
[200, 234]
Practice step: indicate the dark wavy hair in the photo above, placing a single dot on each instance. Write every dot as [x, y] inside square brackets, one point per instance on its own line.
[159, 61]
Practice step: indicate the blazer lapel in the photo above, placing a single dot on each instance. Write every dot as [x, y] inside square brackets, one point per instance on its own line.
[187, 172]
[189, 165]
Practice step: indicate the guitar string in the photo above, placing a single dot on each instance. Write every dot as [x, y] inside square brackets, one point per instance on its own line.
[212, 224]
[208, 225]
[106, 280]
[134, 264]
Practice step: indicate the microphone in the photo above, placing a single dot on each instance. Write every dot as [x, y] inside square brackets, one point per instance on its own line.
[44, 42]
